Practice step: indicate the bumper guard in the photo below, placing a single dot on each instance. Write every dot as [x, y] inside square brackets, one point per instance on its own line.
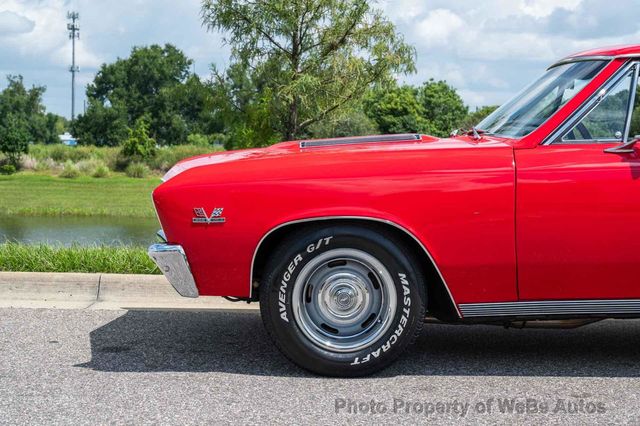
[172, 261]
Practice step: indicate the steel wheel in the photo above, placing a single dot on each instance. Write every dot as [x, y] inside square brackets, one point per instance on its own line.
[344, 300]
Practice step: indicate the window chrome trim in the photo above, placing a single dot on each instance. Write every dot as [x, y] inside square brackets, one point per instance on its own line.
[572, 59]
[555, 138]
[632, 101]
[363, 218]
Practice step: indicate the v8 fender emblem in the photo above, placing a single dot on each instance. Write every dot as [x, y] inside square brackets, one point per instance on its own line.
[201, 215]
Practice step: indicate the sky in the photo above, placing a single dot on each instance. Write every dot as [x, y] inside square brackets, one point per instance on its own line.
[488, 50]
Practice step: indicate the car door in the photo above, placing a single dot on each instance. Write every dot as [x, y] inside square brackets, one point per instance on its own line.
[578, 206]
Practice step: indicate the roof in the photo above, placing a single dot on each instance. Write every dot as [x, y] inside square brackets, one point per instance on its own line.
[624, 49]
[610, 52]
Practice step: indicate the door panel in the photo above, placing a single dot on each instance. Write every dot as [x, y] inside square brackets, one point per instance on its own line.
[577, 223]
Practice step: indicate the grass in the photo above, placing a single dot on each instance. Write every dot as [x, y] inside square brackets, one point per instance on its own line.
[51, 158]
[40, 195]
[18, 257]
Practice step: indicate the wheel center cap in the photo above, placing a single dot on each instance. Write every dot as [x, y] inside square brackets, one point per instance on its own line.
[344, 299]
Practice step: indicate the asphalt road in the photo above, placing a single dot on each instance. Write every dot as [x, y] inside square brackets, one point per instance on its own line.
[185, 367]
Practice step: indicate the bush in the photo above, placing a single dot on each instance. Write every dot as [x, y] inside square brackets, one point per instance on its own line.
[46, 164]
[62, 153]
[167, 157]
[138, 170]
[7, 169]
[88, 167]
[70, 170]
[139, 144]
[198, 139]
[27, 162]
[101, 171]
[108, 155]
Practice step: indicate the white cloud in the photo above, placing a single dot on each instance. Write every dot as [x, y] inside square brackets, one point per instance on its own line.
[542, 8]
[404, 9]
[14, 23]
[48, 37]
[438, 27]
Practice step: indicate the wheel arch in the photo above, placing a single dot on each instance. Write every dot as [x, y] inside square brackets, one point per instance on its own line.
[440, 301]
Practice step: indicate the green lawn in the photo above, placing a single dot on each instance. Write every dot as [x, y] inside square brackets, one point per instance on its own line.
[40, 195]
[17, 257]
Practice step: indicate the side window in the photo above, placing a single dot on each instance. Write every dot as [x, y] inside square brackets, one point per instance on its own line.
[635, 117]
[607, 121]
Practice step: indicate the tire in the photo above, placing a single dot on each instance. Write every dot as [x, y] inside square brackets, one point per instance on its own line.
[342, 300]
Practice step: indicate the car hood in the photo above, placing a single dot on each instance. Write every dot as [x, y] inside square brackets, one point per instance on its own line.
[284, 152]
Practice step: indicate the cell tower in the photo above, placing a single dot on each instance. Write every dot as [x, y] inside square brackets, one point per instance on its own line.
[74, 34]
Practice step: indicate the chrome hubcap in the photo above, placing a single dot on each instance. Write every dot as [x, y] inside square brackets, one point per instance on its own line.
[344, 300]
[343, 297]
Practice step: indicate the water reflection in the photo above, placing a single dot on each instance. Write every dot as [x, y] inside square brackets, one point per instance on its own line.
[78, 230]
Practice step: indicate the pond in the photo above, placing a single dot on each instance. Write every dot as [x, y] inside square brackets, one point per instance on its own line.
[67, 230]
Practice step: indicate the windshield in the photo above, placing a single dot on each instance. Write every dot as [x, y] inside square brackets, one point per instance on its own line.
[535, 104]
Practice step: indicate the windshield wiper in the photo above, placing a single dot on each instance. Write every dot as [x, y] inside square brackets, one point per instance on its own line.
[476, 133]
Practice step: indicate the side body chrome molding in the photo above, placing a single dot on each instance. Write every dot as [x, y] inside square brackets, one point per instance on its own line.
[362, 218]
[551, 307]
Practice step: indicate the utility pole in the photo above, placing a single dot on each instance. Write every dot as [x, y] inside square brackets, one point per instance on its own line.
[74, 33]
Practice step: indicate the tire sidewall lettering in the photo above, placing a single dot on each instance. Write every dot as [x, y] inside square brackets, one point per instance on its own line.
[402, 323]
[288, 274]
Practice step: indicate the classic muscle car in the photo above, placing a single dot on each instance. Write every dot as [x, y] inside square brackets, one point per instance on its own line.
[531, 218]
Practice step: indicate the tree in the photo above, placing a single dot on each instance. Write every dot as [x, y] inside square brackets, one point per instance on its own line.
[26, 106]
[316, 57]
[353, 122]
[397, 110]
[242, 103]
[442, 107]
[139, 145]
[23, 119]
[153, 81]
[102, 125]
[14, 138]
[475, 117]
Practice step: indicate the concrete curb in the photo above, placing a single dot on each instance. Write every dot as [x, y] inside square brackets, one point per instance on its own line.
[100, 291]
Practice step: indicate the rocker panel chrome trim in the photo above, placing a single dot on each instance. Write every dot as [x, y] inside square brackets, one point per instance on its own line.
[551, 307]
[363, 218]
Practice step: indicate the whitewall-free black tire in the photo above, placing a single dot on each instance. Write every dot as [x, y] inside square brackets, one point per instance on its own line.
[342, 300]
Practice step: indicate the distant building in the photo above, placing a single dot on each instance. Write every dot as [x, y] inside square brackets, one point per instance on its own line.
[68, 140]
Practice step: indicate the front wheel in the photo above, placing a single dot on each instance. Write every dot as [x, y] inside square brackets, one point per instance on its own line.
[342, 301]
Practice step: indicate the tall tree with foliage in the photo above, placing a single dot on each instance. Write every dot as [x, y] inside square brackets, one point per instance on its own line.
[14, 137]
[154, 81]
[397, 110]
[315, 57]
[443, 108]
[23, 119]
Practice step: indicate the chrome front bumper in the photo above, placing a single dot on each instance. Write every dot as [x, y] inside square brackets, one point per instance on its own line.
[172, 261]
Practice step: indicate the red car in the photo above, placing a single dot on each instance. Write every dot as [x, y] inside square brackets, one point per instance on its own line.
[530, 218]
